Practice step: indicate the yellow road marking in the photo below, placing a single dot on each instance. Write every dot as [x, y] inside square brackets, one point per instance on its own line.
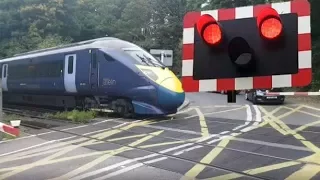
[308, 144]
[198, 168]
[218, 112]
[168, 143]
[203, 123]
[255, 171]
[68, 149]
[310, 107]
[303, 127]
[127, 137]
[274, 125]
[309, 170]
[290, 112]
[82, 156]
[188, 117]
[304, 112]
[59, 160]
[104, 157]
[276, 110]
[306, 172]
[264, 169]
[47, 150]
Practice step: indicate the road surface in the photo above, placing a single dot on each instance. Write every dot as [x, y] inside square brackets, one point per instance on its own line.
[209, 140]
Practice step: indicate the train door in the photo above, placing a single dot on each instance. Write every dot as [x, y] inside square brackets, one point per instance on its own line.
[94, 70]
[4, 77]
[70, 63]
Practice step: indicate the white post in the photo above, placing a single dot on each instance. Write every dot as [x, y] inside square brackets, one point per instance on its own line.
[1, 99]
[1, 115]
[162, 56]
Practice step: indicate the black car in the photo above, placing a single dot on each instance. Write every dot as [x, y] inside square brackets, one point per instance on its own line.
[259, 96]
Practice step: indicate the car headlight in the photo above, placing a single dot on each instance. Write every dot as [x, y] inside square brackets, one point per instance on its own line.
[150, 74]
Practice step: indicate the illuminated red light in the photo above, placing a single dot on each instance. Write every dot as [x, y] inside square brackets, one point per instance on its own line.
[209, 29]
[269, 23]
[212, 34]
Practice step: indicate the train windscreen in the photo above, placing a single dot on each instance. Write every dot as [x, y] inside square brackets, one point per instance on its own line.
[141, 56]
[144, 58]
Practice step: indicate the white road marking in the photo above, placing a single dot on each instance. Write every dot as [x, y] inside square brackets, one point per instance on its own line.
[216, 140]
[155, 160]
[92, 173]
[108, 168]
[257, 120]
[120, 171]
[258, 113]
[41, 144]
[120, 125]
[187, 150]
[207, 138]
[77, 127]
[25, 137]
[224, 132]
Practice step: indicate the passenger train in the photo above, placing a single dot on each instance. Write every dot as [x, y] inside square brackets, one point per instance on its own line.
[104, 72]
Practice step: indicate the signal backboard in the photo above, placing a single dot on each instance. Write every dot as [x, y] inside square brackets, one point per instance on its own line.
[302, 78]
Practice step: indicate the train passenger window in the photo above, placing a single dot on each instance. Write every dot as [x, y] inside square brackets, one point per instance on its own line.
[5, 72]
[94, 60]
[70, 65]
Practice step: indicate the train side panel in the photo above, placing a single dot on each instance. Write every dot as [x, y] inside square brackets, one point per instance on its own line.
[41, 75]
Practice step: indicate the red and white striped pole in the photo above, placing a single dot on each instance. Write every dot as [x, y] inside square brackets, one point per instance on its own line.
[9, 129]
[293, 93]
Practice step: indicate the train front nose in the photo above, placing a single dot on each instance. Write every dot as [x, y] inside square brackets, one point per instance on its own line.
[170, 94]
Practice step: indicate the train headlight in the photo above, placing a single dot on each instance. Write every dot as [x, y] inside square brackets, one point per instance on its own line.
[150, 74]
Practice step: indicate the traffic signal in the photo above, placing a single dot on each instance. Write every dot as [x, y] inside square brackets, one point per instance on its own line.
[256, 46]
[262, 46]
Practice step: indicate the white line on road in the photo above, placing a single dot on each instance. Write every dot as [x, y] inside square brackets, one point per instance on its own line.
[30, 147]
[107, 120]
[124, 170]
[187, 150]
[92, 173]
[257, 120]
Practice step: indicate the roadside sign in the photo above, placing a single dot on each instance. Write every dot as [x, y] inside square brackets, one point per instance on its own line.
[165, 56]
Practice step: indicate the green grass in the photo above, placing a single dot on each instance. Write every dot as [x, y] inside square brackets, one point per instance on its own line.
[74, 116]
[9, 117]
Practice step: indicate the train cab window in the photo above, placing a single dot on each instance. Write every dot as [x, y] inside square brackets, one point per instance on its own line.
[70, 65]
[94, 60]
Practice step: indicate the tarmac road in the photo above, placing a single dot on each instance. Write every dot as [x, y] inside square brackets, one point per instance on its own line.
[208, 140]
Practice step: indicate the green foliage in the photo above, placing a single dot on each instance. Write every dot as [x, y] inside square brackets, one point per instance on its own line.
[36, 24]
[75, 116]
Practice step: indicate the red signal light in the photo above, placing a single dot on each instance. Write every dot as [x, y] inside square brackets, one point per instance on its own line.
[269, 23]
[209, 29]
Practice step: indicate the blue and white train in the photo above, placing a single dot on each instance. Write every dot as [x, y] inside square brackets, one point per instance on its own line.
[90, 74]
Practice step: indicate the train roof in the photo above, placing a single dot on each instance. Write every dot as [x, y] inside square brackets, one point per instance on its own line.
[105, 42]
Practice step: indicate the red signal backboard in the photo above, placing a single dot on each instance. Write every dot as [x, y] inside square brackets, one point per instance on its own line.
[302, 78]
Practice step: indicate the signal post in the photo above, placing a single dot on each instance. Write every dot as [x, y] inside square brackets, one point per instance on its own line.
[253, 47]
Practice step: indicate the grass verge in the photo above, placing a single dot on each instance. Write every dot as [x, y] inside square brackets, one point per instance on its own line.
[74, 116]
